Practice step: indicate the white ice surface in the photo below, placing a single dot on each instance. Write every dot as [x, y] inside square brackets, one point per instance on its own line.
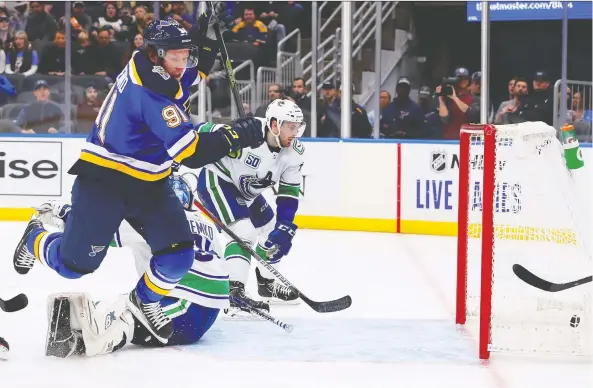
[399, 331]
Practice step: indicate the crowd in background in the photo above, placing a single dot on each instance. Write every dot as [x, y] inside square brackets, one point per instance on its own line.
[104, 35]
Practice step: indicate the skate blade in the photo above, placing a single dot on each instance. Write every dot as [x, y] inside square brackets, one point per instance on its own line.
[234, 314]
[280, 302]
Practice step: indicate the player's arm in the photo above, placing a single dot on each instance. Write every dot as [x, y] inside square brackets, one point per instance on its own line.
[279, 240]
[184, 144]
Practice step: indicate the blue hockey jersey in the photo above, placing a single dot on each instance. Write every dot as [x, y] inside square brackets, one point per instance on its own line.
[143, 125]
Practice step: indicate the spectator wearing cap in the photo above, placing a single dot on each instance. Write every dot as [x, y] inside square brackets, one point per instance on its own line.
[403, 117]
[88, 109]
[18, 17]
[40, 24]
[331, 119]
[105, 54]
[53, 61]
[453, 105]
[79, 20]
[473, 113]
[432, 125]
[508, 109]
[384, 100]
[538, 106]
[20, 56]
[250, 29]
[42, 116]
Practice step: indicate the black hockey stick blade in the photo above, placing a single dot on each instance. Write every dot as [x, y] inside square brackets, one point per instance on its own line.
[17, 303]
[537, 282]
[330, 306]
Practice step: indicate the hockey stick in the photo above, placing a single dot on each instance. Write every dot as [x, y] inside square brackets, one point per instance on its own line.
[321, 307]
[17, 303]
[287, 328]
[537, 282]
[227, 65]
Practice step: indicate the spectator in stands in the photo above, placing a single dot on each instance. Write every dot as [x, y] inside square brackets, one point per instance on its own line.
[82, 62]
[20, 57]
[178, 14]
[384, 100]
[79, 20]
[109, 18]
[2, 61]
[42, 116]
[18, 19]
[432, 126]
[330, 123]
[268, 14]
[274, 93]
[127, 20]
[136, 44]
[299, 94]
[581, 118]
[53, 61]
[453, 107]
[105, 55]
[511, 87]
[137, 27]
[402, 118]
[537, 106]
[473, 113]
[509, 108]
[40, 24]
[88, 109]
[5, 36]
[250, 30]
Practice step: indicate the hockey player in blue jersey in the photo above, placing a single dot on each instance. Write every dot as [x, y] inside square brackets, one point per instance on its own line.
[78, 325]
[121, 174]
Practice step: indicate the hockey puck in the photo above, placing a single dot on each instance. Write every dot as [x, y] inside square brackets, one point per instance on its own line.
[574, 321]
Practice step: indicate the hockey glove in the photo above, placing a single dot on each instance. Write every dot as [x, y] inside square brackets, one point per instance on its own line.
[216, 15]
[279, 240]
[243, 133]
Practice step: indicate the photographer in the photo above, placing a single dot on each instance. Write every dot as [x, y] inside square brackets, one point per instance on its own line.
[454, 101]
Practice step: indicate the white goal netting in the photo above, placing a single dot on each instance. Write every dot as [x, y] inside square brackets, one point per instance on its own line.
[541, 220]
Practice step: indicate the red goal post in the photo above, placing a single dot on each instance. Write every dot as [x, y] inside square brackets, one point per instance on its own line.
[506, 175]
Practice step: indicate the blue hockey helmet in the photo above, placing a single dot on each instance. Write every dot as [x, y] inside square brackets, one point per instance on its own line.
[182, 190]
[167, 34]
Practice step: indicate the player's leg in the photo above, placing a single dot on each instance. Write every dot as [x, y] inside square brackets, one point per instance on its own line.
[190, 322]
[97, 211]
[227, 203]
[160, 218]
[271, 290]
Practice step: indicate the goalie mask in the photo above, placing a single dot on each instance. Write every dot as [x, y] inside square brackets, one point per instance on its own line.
[289, 121]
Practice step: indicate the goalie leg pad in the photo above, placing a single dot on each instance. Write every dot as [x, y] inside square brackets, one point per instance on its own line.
[62, 341]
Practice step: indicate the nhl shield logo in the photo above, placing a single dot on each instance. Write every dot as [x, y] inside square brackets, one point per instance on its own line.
[438, 161]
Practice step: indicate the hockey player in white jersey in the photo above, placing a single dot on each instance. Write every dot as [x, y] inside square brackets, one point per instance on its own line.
[80, 326]
[232, 187]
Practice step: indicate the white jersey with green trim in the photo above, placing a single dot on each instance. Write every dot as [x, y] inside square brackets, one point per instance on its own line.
[207, 282]
[252, 171]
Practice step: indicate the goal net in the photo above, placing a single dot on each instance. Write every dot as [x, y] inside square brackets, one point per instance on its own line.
[519, 204]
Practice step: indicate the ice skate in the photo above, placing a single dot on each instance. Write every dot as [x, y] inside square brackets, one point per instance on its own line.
[239, 298]
[274, 292]
[151, 315]
[23, 260]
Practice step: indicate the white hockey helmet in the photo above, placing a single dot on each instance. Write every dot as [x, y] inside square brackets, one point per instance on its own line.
[285, 112]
